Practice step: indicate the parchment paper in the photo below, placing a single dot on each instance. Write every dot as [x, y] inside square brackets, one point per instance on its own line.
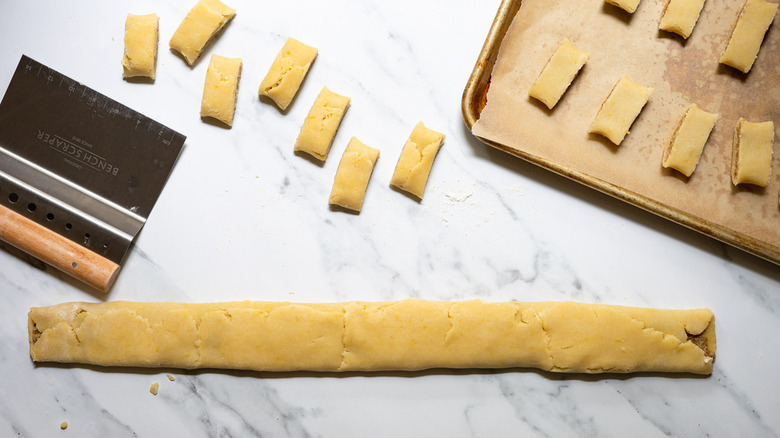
[680, 71]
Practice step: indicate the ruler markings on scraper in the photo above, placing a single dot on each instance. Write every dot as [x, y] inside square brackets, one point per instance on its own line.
[91, 97]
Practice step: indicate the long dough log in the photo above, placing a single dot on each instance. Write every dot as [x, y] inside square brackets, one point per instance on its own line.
[367, 336]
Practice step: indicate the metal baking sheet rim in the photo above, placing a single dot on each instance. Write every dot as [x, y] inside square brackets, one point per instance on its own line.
[474, 97]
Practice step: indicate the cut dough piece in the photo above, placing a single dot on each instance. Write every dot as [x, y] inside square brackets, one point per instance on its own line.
[684, 151]
[558, 74]
[221, 89]
[141, 36]
[680, 16]
[287, 72]
[414, 164]
[198, 28]
[353, 174]
[626, 5]
[621, 108]
[364, 336]
[751, 153]
[321, 124]
[745, 42]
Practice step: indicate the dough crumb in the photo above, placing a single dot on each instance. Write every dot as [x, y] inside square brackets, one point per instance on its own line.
[64, 425]
[154, 387]
[171, 378]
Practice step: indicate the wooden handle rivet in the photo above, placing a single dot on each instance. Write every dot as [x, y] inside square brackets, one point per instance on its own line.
[56, 250]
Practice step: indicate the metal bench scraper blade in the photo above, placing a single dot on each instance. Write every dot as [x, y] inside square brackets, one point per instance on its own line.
[79, 172]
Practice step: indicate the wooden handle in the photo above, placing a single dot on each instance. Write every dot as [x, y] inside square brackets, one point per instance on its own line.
[57, 251]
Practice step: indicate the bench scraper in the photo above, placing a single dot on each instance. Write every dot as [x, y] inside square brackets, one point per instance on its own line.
[79, 172]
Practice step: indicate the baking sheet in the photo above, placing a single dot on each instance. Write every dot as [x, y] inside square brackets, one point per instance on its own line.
[681, 72]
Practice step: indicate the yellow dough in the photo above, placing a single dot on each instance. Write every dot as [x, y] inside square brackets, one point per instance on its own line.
[680, 16]
[287, 72]
[621, 108]
[558, 74]
[221, 88]
[684, 151]
[751, 154]
[366, 336]
[352, 175]
[745, 42]
[198, 28]
[321, 124]
[414, 165]
[626, 5]
[141, 36]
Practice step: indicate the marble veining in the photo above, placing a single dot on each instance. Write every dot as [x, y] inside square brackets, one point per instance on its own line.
[243, 217]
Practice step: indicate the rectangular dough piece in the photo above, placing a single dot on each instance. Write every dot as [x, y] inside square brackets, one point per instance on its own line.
[558, 74]
[626, 5]
[745, 42]
[680, 16]
[414, 165]
[321, 124]
[375, 336]
[141, 36]
[199, 27]
[287, 72]
[751, 153]
[352, 176]
[684, 150]
[621, 108]
[221, 88]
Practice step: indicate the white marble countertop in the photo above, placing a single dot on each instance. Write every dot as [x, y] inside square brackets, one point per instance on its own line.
[243, 217]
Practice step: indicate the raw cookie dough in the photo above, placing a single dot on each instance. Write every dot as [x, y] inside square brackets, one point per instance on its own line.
[680, 16]
[200, 25]
[141, 35]
[414, 164]
[221, 88]
[375, 336]
[751, 153]
[621, 108]
[558, 74]
[287, 72]
[684, 151]
[353, 174]
[627, 5]
[321, 124]
[745, 42]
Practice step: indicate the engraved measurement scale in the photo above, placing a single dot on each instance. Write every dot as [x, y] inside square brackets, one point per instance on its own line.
[79, 172]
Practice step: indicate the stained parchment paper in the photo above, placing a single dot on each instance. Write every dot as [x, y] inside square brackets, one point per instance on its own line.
[681, 72]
